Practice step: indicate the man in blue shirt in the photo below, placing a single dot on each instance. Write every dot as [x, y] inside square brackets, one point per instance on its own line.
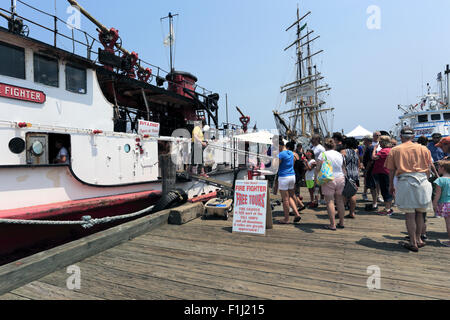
[436, 152]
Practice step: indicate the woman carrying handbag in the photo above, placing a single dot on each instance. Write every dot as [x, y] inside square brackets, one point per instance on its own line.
[351, 163]
[333, 186]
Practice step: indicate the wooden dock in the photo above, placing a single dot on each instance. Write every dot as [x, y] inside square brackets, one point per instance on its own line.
[204, 260]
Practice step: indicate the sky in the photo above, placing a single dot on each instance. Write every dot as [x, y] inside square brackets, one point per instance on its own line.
[236, 48]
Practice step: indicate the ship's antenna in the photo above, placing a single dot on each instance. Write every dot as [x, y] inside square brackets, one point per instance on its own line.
[13, 9]
[447, 73]
[171, 36]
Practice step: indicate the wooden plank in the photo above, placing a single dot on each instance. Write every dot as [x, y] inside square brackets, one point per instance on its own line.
[290, 256]
[23, 271]
[284, 232]
[352, 282]
[228, 283]
[293, 280]
[339, 249]
[113, 283]
[38, 291]
[186, 213]
[106, 284]
[11, 296]
[302, 266]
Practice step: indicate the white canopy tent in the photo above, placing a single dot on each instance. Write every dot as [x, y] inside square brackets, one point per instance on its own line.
[262, 137]
[359, 132]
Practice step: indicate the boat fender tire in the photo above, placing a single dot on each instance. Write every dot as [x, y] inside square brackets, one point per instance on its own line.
[170, 200]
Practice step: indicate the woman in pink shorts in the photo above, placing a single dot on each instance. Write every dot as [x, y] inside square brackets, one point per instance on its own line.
[333, 189]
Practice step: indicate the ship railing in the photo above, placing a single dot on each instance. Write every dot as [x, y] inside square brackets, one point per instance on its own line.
[89, 43]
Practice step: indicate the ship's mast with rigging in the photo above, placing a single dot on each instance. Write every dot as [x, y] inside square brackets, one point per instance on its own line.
[304, 91]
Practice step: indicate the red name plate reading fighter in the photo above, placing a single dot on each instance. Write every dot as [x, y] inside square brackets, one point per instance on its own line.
[13, 92]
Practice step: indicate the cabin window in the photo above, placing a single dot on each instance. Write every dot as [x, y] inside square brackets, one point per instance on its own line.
[422, 118]
[446, 116]
[12, 61]
[76, 79]
[46, 70]
[435, 117]
[59, 148]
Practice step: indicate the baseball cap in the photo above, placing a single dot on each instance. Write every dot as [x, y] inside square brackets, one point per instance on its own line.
[443, 141]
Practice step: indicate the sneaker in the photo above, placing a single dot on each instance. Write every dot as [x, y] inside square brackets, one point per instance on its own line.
[364, 196]
[380, 199]
[386, 212]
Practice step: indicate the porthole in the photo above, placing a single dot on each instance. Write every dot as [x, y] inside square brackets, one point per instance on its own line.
[17, 145]
[37, 149]
[127, 148]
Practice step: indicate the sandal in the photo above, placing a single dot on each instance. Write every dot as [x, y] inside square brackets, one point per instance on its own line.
[349, 216]
[297, 219]
[301, 209]
[329, 228]
[445, 243]
[408, 246]
[420, 246]
[339, 226]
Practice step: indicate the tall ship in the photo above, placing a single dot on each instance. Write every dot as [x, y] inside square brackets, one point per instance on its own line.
[83, 129]
[305, 111]
[431, 114]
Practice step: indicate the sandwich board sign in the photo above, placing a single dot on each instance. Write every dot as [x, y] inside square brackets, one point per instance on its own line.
[250, 206]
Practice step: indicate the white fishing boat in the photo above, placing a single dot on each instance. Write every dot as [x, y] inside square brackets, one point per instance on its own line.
[431, 114]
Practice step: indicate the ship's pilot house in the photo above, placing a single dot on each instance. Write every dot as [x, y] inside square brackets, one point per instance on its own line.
[41, 148]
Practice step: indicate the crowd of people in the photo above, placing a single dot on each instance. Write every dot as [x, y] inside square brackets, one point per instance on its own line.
[413, 175]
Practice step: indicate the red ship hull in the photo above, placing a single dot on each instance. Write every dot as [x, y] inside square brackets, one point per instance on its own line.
[17, 241]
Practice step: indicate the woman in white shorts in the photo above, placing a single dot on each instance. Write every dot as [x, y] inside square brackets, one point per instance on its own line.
[286, 183]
